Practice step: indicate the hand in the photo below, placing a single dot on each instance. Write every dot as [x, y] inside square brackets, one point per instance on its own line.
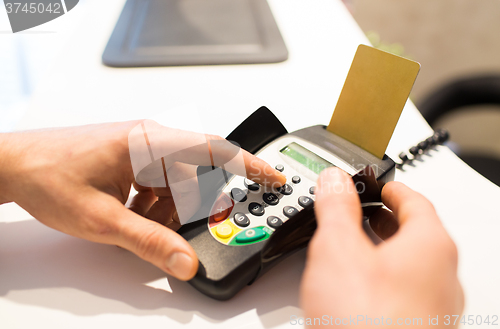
[77, 180]
[413, 274]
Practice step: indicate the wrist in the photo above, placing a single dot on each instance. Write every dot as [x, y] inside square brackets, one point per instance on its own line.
[9, 161]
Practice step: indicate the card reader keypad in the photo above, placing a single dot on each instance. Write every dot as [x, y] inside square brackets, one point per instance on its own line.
[258, 210]
[238, 195]
[271, 199]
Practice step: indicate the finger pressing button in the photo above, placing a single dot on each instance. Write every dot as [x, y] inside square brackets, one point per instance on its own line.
[285, 189]
[251, 185]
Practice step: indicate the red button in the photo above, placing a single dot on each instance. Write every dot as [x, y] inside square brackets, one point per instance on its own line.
[222, 208]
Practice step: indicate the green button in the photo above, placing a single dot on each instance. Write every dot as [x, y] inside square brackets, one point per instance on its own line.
[250, 235]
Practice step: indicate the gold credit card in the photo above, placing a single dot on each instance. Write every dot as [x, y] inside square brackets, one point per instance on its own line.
[372, 99]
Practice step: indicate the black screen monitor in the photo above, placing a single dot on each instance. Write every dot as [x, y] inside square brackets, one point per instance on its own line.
[194, 32]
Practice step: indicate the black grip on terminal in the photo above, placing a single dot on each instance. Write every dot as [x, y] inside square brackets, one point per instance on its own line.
[259, 129]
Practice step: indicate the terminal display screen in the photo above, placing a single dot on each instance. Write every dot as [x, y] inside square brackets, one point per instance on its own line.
[307, 158]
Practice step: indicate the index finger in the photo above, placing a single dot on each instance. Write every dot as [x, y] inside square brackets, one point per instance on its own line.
[154, 148]
[238, 161]
[409, 206]
[338, 211]
[421, 233]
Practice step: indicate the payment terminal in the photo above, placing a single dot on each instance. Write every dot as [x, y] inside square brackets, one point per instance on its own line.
[259, 226]
[256, 226]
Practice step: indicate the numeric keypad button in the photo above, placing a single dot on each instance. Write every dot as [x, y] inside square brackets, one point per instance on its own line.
[222, 208]
[274, 221]
[305, 201]
[224, 231]
[285, 189]
[270, 198]
[256, 209]
[289, 211]
[241, 219]
[251, 185]
[250, 235]
[238, 195]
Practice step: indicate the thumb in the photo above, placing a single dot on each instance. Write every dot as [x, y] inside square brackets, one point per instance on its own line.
[156, 244]
[338, 210]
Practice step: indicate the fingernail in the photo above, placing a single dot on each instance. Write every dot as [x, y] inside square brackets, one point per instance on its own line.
[282, 177]
[180, 265]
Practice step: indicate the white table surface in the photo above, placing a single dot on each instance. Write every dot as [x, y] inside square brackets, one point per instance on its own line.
[49, 279]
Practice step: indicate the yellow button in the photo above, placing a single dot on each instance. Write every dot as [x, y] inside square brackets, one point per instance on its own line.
[224, 231]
